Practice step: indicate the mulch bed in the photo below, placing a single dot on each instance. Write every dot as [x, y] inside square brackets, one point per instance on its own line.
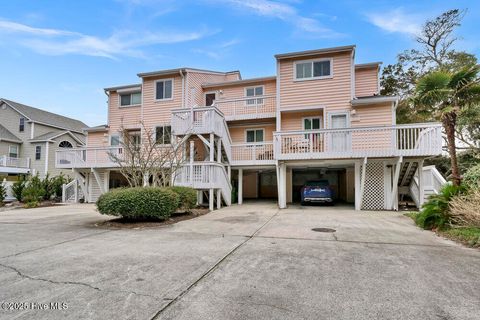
[122, 223]
[19, 205]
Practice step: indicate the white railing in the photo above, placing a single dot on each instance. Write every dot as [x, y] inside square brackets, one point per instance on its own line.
[86, 157]
[433, 181]
[248, 108]
[252, 153]
[202, 120]
[203, 176]
[400, 140]
[70, 192]
[12, 162]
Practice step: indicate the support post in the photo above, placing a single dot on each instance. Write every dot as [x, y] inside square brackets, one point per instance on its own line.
[398, 166]
[282, 188]
[240, 186]
[200, 197]
[219, 150]
[212, 147]
[421, 187]
[358, 205]
[210, 199]
[362, 182]
[192, 151]
[219, 198]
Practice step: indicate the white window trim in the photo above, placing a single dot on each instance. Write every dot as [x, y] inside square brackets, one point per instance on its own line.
[330, 114]
[254, 97]
[129, 105]
[10, 148]
[35, 154]
[210, 92]
[255, 129]
[155, 130]
[295, 79]
[155, 90]
[320, 119]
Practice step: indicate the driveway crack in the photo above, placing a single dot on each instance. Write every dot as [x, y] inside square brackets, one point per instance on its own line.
[212, 269]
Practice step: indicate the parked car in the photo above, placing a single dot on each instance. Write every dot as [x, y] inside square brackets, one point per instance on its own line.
[317, 191]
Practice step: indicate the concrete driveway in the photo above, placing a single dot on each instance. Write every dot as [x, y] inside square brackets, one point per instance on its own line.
[243, 262]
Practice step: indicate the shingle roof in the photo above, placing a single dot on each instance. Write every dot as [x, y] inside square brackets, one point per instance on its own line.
[50, 135]
[53, 119]
[7, 135]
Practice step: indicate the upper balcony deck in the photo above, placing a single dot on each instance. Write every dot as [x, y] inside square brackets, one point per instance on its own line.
[247, 108]
[14, 165]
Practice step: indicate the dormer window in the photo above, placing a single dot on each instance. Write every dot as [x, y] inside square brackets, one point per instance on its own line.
[130, 99]
[315, 69]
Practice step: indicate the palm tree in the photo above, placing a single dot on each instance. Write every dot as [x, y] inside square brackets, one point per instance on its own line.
[445, 95]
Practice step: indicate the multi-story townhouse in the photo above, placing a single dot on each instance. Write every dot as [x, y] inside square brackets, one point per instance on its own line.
[320, 117]
[29, 138]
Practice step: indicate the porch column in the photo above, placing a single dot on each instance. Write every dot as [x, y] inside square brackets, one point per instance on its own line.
[219, 198]
[282, 187]
[212, 147]
[357, 186]
[421, 186]
[199, 197]
[106, 180]
[219, 150]
[210, 199]
[240, 186]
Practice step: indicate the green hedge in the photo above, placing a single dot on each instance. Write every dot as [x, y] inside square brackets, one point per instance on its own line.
[187, 197]
[139, 203]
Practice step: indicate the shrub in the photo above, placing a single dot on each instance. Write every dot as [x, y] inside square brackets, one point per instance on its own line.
[465, 209]
[471, 178]
[187, 197]
[47, 186]
[435, 212]
[17, 188]
[57, 183]
[33, 192]
[3, 193]
[139, 203]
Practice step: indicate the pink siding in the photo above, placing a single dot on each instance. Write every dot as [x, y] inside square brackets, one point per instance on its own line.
[97, 139]
[239, 136]
[160, 112]
[128, 117]
[294, 120]
[195, 81]
[373, 115]
[366, 81]
[232, 76]
[238, 90]
[333, 93]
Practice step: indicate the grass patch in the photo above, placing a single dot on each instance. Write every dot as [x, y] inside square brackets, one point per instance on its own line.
[469, 236]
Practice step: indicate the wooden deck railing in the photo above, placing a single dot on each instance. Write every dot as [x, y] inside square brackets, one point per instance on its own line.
[247, 107]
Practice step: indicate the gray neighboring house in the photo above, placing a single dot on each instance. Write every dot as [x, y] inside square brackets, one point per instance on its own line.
[29, 138]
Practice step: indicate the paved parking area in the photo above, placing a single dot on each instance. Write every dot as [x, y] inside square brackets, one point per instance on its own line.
[243, 262]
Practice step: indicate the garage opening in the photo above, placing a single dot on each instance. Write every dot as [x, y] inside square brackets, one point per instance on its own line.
[257, 184]
[340, 180]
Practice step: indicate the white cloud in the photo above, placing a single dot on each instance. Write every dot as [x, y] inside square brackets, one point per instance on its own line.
[396, 20]
[218, 51]
[61, 42]
[285, 12]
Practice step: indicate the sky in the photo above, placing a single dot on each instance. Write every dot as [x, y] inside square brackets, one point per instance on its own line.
[59, 55]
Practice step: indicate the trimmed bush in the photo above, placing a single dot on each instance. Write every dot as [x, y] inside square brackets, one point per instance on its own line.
[436, 212]
[471, 178]
[139, 203]
[3, 193]
[33, 192]
[17, 188]
[187, 197]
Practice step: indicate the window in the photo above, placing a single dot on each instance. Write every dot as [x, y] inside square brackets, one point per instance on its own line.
[65, 144]
[254, 135]
[313, 69]
[114, 141]
[21, 126]
[163, 134]
[13, 151]
[38, 152]
[313, 123]
[130, 99]
[163, 89]
[254, 92]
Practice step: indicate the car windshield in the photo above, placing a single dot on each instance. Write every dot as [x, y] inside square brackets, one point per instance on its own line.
[317, 183]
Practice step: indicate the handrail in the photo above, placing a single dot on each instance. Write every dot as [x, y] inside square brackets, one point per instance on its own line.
[244, 98]
[352, 129]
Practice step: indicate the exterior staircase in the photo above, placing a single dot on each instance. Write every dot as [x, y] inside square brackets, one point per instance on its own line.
[433, 181]
[211, 174]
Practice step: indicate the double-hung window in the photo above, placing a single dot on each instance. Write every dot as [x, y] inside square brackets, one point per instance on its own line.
[164, 89]
[21, 125]
[130, 99]
[38, 152]
[254, 92]
[13, 151]
[313, 69]
[163, 134]
[311, 123]
[254, 135]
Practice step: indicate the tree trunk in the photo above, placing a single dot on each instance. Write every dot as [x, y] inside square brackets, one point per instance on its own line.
[449, 121]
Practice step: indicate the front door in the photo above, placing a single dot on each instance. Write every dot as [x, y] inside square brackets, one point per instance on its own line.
[209, 99]
[339, 140]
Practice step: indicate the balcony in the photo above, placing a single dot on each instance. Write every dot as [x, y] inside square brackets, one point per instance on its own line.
[86, 157]
[248, 108]
[14, 165]
[253, 154]
[399, 140]
[197, 120]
